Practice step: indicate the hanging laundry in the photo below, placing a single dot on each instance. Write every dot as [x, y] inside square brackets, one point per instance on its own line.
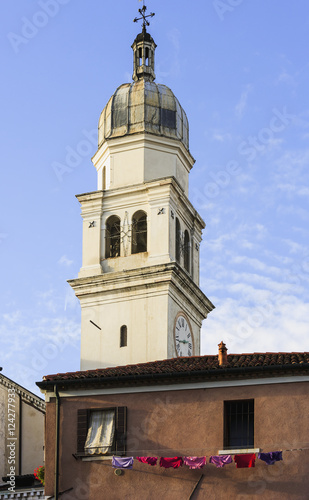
[245, 460]
[270, 458]
[174, 462]
[194, 462]
[122, 462]
[148, 460]
[220, 460]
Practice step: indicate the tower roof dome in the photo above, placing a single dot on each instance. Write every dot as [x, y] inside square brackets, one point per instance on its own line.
[144, 106]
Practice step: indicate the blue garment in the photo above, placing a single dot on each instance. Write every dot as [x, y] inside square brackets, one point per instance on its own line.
[122, 462]
[270, 458]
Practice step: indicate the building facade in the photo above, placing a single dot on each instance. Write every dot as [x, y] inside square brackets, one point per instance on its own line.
[21, 435]
[184, 407]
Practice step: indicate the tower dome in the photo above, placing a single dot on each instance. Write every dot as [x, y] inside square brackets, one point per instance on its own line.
[144, 106]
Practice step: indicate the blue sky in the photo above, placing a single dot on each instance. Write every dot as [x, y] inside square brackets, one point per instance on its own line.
[240, 69]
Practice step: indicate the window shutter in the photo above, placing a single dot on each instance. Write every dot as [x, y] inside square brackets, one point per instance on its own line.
[82, 429]
[121, 430]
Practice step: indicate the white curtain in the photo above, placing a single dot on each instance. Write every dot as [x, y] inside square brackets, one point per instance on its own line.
[101, 432]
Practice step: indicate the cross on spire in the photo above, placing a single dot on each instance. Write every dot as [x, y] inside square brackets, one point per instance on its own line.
[142, 12]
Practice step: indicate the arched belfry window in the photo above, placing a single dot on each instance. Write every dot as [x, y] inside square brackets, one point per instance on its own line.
[139, 232]
[123, 336]
[112, 238]
[177, 240]
[187, 251]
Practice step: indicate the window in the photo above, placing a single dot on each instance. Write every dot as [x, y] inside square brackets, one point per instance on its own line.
[239, 424]
[177, 240]
[112, 240]
[139, 232]
[101, 431]
[187, 251]
[104, 178]
[123, 336]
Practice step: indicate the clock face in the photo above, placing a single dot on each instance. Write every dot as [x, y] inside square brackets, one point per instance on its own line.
[183, 336]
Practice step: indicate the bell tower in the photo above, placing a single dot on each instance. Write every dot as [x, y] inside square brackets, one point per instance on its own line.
[139, 281]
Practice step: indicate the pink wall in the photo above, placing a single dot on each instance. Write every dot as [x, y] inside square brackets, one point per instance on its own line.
[188, 423]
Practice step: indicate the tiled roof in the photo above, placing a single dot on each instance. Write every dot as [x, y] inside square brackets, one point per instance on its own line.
[194, 365]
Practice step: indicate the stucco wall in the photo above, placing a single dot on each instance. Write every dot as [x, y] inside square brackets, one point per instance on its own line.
[188, 423]
[24, 428]
[32, 442]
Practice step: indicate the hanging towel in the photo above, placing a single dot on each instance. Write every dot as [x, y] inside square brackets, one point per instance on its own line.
[270, 458]
[174, 462]
[148, 460]
[245, 460]
[220, 460]
[122, 462]
[194, 462]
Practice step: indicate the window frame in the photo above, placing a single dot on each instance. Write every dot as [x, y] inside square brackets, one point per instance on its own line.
[83, 422]
[228, 439]
[138, 219]
[112, 241]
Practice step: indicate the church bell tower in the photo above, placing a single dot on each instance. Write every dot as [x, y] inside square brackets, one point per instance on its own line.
[139, 282]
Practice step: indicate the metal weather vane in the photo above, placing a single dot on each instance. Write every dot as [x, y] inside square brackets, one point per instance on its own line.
[144, 17]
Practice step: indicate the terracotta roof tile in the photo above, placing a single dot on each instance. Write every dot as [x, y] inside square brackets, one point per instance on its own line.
[194, 365]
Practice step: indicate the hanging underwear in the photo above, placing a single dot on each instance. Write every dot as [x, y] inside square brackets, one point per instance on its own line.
[174, 462]
[148, 460]
[270, 458]
[245, 460]
[194, 462]
[122, 462]
[220, 460]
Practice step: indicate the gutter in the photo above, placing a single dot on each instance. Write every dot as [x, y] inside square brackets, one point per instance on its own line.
[56, 490]
[45, 384]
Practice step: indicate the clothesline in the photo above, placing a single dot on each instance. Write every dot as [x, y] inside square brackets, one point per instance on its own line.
[242, 460]
[201, 451]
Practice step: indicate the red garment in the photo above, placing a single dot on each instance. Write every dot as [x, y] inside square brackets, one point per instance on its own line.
[148, 460]
[245, 460]
[174, 462]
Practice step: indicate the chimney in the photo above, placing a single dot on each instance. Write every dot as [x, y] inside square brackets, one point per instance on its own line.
[222, 354]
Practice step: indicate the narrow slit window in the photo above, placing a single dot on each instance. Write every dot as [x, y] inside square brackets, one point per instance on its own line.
[147, 56]
[177, 240]
[123, 336]
[104, 178]
[187, 251]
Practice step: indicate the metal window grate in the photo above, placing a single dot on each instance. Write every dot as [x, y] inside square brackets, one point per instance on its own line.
[239, 424]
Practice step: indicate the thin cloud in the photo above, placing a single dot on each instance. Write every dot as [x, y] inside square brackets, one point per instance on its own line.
[242, 103]
[65, 261]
